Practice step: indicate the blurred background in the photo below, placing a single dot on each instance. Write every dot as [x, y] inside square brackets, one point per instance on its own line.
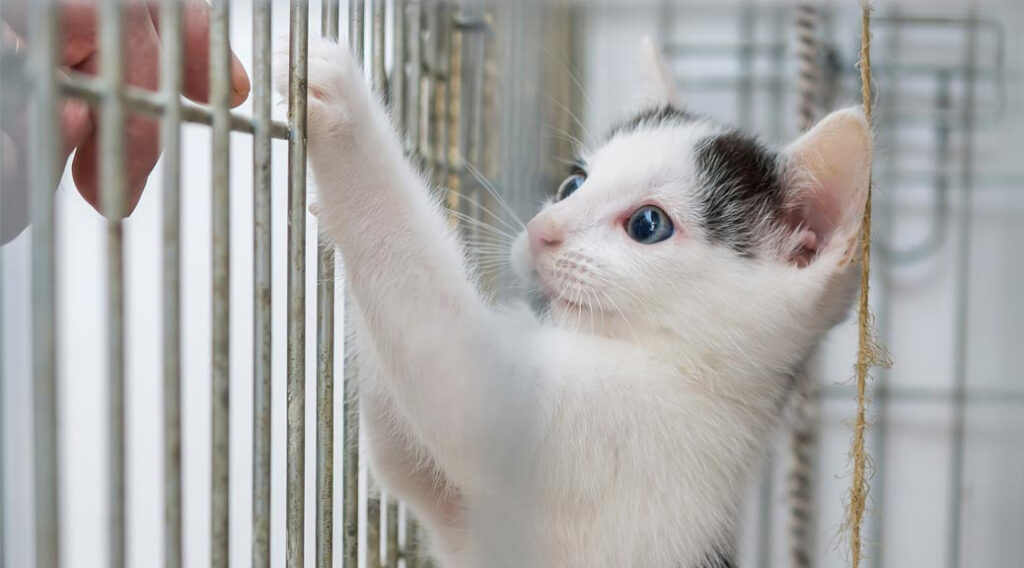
[513, 88]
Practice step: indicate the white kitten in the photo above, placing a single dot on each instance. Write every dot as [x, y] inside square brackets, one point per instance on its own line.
[690, 270]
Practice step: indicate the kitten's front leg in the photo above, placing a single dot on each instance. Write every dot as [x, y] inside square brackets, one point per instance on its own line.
[429, 326]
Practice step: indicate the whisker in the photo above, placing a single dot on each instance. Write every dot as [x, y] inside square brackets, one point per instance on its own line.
[487, 185]
[562, 134]
[482, 225]
[568, 112]
[573, 74]
[497, 217]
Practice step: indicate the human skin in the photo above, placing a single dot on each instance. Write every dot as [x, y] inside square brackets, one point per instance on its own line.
[79, 51]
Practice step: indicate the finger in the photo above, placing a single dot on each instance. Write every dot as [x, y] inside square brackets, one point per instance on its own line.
[13, 191]
[85, 170]
[77, 25]
[196, 39]
[142, 134]
[76, 125]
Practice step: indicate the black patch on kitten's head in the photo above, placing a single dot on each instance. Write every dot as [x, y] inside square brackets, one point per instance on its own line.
[740, 189]
[653, 117]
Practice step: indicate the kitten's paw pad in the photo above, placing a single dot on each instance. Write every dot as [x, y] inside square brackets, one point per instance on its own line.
[314, 209]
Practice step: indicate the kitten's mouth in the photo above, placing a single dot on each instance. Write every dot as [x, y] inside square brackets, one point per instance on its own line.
[567, 301]
[563, 288]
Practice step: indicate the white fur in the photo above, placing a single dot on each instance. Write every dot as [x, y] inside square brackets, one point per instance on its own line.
[618, 431]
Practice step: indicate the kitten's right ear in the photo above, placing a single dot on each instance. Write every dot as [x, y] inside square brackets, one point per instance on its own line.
[829, 169]
[659, 88]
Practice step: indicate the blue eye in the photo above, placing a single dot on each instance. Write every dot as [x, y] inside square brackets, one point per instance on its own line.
[570, 185]
[649, 225]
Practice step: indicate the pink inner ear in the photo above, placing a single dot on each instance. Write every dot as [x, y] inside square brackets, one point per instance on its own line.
[812, 218]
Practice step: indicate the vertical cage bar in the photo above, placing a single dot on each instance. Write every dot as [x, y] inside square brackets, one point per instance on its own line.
[325, 407]
[398, 69]
[350, 405]
[112, 178]
[379, 82]
[412, 541]
[445, 107]
[372, 528]
[397, 101]
[377, 49]
[171, 82]
[325, 364]
[963, 283]
[220, 99]
[745, 83]
[390, 505]
[428, 114]
[889, 109]
[45, 177]
[262, 293]
[296, 438]
[414, 66]
[3, 410]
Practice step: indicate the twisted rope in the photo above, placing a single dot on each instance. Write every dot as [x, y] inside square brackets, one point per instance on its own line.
[803, 439]
[869, 353]
[809, 74]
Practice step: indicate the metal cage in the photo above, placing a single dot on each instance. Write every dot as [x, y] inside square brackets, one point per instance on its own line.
[460, 78]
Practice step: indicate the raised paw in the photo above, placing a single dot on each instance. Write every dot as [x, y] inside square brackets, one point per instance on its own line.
[336, 88]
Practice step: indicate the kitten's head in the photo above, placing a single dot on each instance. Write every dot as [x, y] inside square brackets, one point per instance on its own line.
[679, 226]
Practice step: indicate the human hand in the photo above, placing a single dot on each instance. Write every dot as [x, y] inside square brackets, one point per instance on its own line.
[79, 51]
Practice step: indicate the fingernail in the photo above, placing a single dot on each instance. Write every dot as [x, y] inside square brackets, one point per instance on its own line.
[239, 78]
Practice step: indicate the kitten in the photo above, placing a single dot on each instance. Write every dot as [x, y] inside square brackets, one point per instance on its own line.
[690, 269]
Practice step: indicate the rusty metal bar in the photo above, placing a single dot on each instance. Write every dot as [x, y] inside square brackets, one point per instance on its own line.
[113, 190]
[411, 554]
[350, 405]
[397, 81]
[262, 297]
[296, 437]
[390, 505]
[45, 138]
[140, 101]
[373, 558]
[378, 77]
[220, 101]
[397, 101]
[414, 67]
[377, 38]
[325, 364]
[325, 407]
[171, 82]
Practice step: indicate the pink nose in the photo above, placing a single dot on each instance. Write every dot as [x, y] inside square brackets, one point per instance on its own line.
[543, 235]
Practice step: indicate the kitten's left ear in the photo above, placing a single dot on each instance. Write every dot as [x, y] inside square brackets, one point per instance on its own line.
[659, 88]
[828, 171]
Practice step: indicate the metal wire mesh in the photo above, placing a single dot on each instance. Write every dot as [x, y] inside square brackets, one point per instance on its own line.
[454, 74]
[417, 56]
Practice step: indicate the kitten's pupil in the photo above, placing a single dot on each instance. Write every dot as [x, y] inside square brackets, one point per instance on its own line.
[570, 185]
[649, 225]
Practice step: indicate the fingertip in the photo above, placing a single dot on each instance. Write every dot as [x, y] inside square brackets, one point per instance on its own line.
[77, 124]
[240, 85]
[83, 173]
[135, 194]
